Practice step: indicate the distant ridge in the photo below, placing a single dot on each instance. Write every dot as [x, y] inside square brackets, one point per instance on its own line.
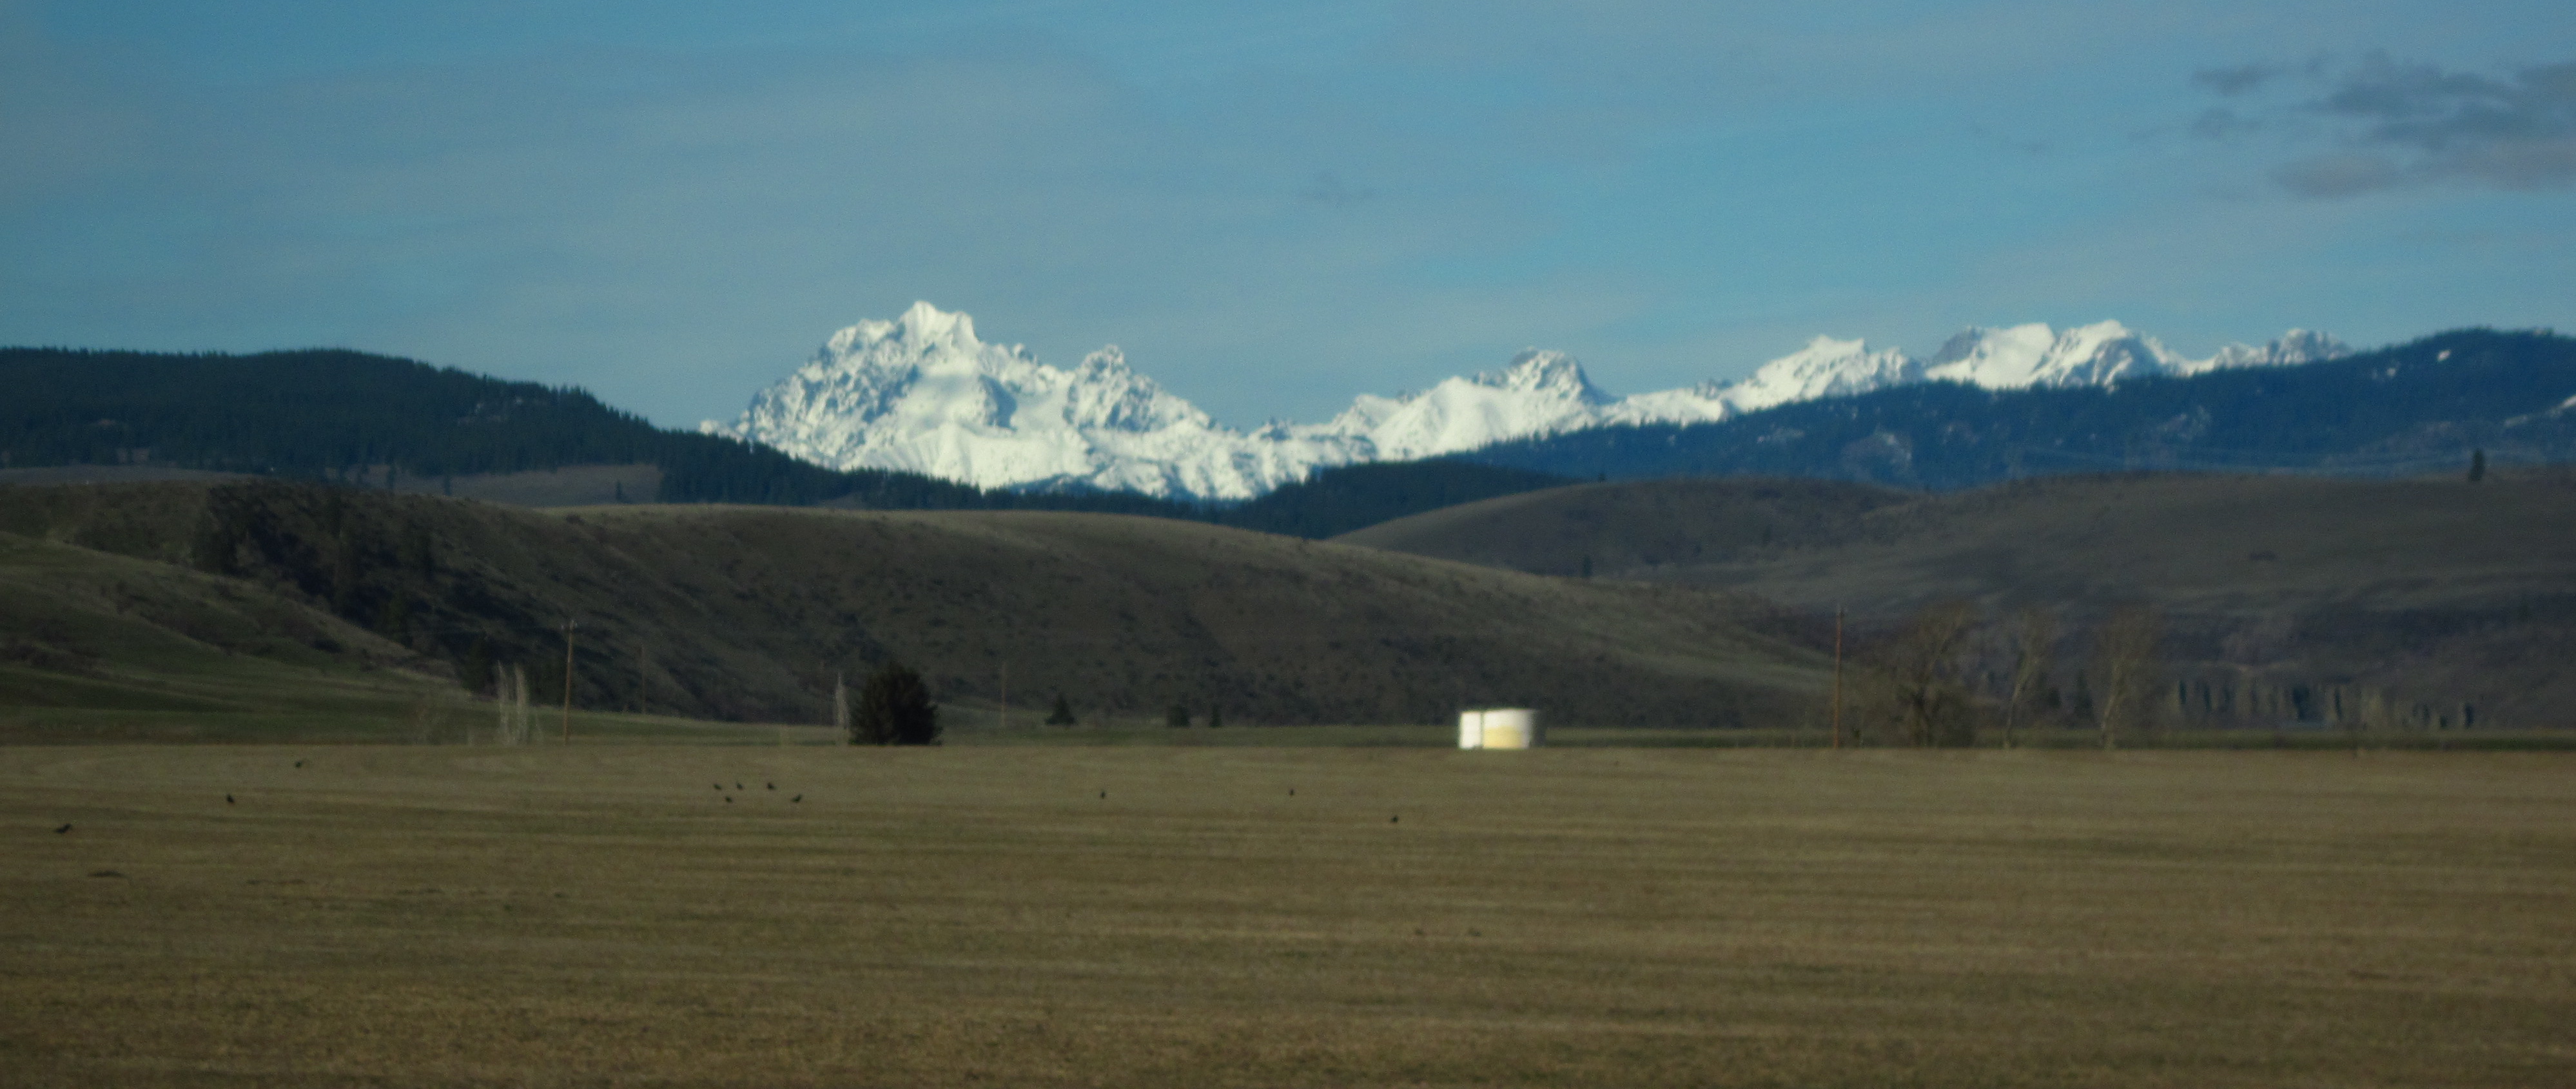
[351, 416]
[396, 424]
[2420, 407]
[375, 421]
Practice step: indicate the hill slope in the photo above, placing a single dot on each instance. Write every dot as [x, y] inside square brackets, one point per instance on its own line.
[108, 647]
[1617, 529]
[2430, 593]
[750, 613]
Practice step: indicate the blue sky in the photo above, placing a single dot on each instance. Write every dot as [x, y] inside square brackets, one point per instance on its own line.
[1270, 207]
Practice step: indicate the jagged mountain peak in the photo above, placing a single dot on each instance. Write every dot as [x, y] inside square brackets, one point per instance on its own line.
[920, 326]
[922, 392]
[1826, 367]
[2022, 356]
[1109, 359]
[2292, 348]
[1538, 369]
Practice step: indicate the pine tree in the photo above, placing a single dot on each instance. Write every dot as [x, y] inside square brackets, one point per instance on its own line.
[1178, 717]
[1063, 713]
[895, 709]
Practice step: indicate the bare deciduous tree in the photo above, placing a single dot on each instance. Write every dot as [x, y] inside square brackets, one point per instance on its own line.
[2034, 654]
[2125, 655]
[1923, 678]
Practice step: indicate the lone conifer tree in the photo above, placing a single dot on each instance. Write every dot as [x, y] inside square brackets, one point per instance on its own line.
[1063, 713]
[894, 709]
[2477, 466]
[1178, 717]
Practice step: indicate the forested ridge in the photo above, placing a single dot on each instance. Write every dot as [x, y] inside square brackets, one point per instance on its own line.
[322, 414]
[328, 414]
[2424, 406]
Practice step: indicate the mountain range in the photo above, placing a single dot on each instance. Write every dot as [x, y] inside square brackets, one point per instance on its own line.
[923, 393]
[2434, 405]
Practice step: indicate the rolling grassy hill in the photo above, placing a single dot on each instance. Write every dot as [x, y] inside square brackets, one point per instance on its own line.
[109, 647]
[2419, 602]
[751, 613]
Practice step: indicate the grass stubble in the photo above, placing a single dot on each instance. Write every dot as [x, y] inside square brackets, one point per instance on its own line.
[986, 916]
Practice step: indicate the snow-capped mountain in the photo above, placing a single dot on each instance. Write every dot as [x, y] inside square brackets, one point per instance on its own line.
[1541, 393]
[1824, 368]
[922, 393]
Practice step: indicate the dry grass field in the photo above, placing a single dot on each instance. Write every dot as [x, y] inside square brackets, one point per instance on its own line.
[1023, 916]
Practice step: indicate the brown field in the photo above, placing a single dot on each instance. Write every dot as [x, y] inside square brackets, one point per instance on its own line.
[597, 915]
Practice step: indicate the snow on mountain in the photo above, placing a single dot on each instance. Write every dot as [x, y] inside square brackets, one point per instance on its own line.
[923, 393]
[2295, 347]
[1824, 368]
[1541, 393]
[2031, 355]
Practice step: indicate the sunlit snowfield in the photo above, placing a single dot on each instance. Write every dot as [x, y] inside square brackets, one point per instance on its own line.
[1246, 916]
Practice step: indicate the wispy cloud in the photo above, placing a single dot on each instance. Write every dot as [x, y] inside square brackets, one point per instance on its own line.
[2389, 124]
[2237, 79]
[1328, 188]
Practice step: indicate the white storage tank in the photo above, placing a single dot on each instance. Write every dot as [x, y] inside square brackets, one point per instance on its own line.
[1499, 728]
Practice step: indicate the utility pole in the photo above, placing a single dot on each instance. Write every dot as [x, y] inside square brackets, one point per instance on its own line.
[569, 625]
[1838, 676]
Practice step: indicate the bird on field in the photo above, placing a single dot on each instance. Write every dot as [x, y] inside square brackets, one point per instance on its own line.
[1104, 794]
[1292, 792]
[1392, 820]
[228, 799]
[773, 786]
[728, 799]
[796, 799]
[715, 786]
[63, 829]
[737, 785]
[299, 763]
